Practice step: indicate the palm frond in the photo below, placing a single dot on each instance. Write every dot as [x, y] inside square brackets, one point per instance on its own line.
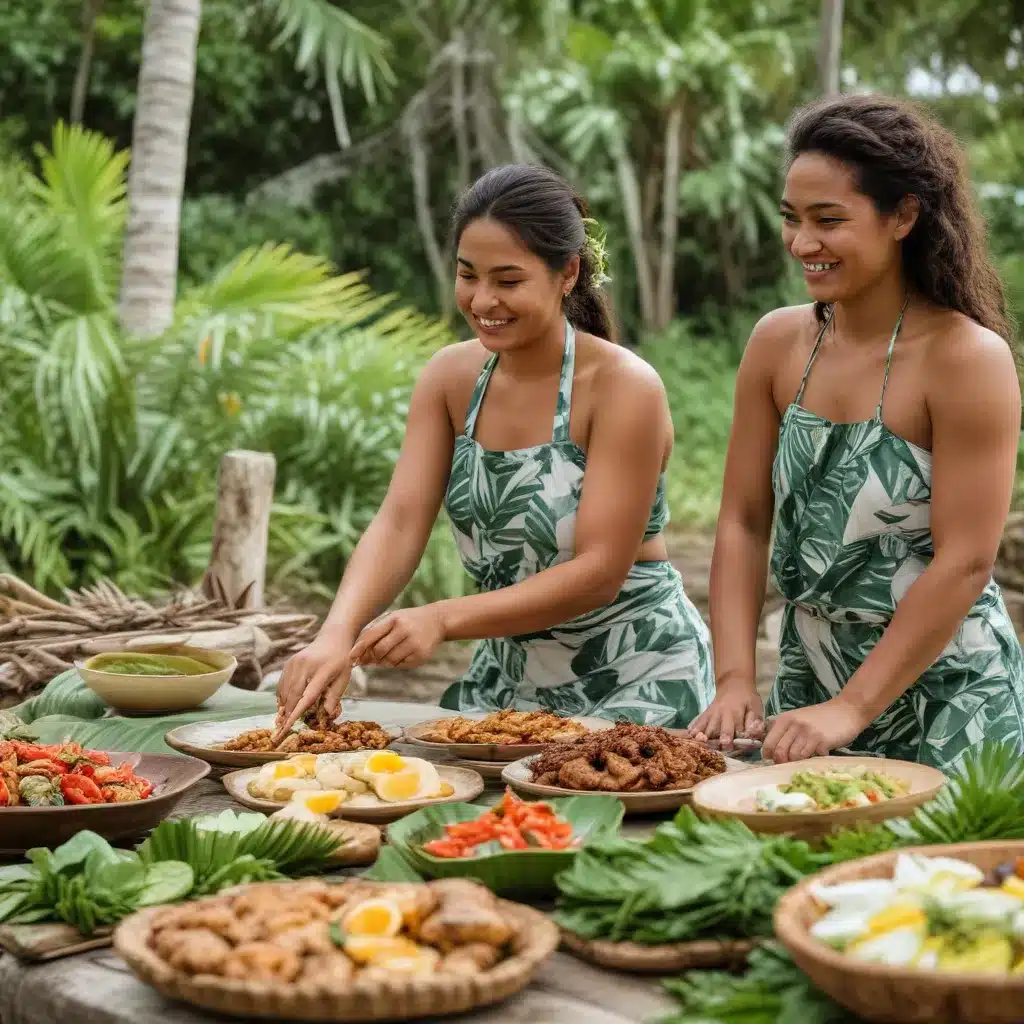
[343, 45]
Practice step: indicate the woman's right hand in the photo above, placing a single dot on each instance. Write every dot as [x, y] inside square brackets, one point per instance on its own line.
[324, 667]
[737, 710]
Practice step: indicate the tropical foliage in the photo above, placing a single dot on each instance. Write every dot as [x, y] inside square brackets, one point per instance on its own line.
[109, 443]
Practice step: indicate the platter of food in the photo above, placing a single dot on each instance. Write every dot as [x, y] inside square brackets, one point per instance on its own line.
[157, 679]
[813, 797]
[371, 786]
[933, 933]
[48, 793]
[505, 735]
[647, 767]
[355, 951]
[516, 846]
[245, 742]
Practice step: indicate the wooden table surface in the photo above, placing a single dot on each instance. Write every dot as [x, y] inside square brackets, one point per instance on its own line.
[97, 988]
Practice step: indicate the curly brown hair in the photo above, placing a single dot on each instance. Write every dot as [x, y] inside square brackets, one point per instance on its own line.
[895, 149]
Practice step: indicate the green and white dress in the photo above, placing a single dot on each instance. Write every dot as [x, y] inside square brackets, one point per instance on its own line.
[852, 534]
[645, 657]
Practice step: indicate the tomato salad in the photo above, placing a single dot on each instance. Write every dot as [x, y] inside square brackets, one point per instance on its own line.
[35, 775]
[514, 824]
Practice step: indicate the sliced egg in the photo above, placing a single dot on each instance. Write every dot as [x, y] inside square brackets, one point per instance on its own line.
[936, 874]
[1014, 885]
[988, 906]
[331, 770]
[897, 916]
[771, 798]
[372, 949]
[866, 894]
[323, 801]
[379, 917]
[298, 812]
[1017, 925]
[384, 761]
[840, 927]
[896, 948]
[990, 953]
[306, 762]
[425, 961]
[282, 790]
[417, 781]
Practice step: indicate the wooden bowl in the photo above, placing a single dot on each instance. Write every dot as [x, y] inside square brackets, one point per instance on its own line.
[468, 785]
[732, 796]
[22, 828]
[157, 695]
[667, 958]
[501, 752]
[392, 999]
[902, 995]
[520, 778]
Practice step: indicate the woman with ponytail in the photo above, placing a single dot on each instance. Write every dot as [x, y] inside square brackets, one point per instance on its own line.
[547, 443]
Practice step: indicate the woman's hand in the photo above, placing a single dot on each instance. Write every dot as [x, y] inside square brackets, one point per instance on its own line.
[736, 711]
[813, 731]
[402, 639]
[322, 667]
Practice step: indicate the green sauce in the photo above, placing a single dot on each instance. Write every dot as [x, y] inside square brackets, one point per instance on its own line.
[140, 664]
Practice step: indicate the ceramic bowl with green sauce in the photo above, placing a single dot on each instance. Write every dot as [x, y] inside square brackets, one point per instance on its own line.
[157, 678]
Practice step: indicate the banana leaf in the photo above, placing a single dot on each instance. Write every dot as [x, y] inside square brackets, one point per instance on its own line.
[503, 871]
[68, 709]
[391, 866]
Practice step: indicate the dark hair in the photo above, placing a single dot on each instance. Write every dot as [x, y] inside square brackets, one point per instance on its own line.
[896, 149]
[547, 214]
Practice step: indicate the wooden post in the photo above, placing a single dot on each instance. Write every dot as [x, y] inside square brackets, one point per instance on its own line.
[238, 561]
[830, 45]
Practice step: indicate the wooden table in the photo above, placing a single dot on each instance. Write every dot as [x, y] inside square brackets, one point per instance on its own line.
[97, 987]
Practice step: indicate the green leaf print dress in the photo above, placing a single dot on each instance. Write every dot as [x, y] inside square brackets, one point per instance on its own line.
[645, 657]
[852, 534]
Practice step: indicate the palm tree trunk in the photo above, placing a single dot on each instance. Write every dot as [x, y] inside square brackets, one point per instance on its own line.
[669, 218]
[830, 46]
[632, 208]
[90, 12]
[157, 178]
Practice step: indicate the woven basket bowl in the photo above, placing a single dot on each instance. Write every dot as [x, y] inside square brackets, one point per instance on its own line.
[669, 958]
[900, 995]
[400, 999]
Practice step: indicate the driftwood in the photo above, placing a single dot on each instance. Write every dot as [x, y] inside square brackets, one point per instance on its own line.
[40, 637]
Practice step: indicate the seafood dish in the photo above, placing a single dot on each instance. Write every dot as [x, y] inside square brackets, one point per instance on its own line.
[506, 727]
[315, 786]
[830, 790]
[337, 933]
[320, 735]
[33, 775]
[935, 913]
[627, 759]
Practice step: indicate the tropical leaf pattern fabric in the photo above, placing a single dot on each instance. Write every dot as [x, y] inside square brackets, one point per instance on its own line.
[852, 534]
[645, 657]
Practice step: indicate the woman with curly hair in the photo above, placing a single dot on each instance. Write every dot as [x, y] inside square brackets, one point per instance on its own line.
[877, 430]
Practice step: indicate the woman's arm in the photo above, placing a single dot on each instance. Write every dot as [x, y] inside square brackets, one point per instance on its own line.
[974, 404]
[739, 564]
[625, 452]
[389, 551]
[974, 407]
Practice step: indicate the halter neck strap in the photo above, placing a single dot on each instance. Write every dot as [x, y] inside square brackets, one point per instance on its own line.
[888, 357]
[563, 407]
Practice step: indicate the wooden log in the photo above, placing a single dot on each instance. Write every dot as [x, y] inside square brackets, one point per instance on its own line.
[238, 561]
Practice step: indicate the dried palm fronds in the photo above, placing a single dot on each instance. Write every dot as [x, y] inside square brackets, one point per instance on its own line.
[41, 637]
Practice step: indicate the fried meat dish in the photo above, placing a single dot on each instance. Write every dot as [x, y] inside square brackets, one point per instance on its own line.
[335, 934]
[627, 759]
[323, 736]
[509, 727]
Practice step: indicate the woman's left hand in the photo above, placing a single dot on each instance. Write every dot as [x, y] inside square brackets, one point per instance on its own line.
[813, 731]
[402, 639]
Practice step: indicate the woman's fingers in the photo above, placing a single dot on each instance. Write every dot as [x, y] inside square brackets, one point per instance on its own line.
[369, 638]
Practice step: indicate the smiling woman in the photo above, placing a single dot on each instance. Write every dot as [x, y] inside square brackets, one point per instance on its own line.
[879, 429]
[547, 444]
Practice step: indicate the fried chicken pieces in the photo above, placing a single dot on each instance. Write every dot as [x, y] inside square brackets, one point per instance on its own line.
[323, 736]
[316, 933]
[506, 726]
[627, 759]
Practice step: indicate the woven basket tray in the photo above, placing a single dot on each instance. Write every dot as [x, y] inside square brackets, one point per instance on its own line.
[898, 994]
[665, 959]
[400, 999]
